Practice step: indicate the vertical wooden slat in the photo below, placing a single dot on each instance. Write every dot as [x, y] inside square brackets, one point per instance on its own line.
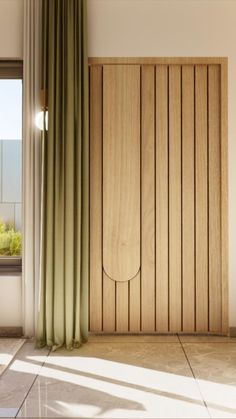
[201, 198]
[175, 274]
[96, 198]
[188, 199]
[122, 307]
[148, 199]
[224, 195]
[109, 304]
[214, 200]
[162, 285]
[134, 304]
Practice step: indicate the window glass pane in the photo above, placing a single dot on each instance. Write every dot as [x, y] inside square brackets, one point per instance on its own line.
[10, 167]
[10, 109]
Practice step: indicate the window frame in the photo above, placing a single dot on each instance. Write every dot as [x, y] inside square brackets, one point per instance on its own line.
[9, 70]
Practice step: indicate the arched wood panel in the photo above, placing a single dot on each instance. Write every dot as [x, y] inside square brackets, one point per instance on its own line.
[121, 172]
[158, 195]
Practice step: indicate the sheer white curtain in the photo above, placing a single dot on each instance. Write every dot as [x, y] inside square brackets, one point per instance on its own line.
[31, 163]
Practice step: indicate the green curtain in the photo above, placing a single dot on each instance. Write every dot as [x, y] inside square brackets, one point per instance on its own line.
[63, 294]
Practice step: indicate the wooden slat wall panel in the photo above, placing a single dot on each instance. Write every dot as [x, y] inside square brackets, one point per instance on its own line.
[135, 304]
[214, 199]
[121, 171]
[162, 284]
[109, 304]
[96, 198]
[201, 198]
[167, 122]
[188, 203]
[175, 216]
[122, 306]
[148, 199]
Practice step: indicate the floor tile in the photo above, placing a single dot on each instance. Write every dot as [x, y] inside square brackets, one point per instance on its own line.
[206, 339]
[8, 413]
[8, 349]
[214, 366]
[18, 378]
[121, 380]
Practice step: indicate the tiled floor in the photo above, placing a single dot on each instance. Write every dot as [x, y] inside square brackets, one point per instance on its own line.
[110, 377]
[8, 349]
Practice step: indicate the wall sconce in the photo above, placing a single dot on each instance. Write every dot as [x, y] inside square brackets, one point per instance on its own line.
[41, 118]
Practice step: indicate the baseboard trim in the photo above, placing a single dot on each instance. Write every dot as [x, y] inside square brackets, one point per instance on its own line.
[11, 332]
[156, 334]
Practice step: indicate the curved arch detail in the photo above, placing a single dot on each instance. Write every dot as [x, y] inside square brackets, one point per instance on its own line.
[123, 280]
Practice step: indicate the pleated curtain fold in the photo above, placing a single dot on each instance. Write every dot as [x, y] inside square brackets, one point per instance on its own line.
[63, 295]
[31, 163]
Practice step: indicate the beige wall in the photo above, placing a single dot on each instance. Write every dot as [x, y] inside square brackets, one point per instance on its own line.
[175, 28]
[10, 301]
[156, 28]
[11, 29]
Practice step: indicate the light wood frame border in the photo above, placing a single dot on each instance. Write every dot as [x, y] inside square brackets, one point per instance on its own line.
[223, 62]
[224, 194]
[157, 60]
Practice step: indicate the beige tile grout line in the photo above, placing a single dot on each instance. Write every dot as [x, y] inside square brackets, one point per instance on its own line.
[7, 366]
[195, 379]
[32, 384]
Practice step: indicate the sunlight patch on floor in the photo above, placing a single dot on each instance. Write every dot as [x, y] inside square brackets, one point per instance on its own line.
[124, 373]
[8, 349]
[151, 392]
[5, 359]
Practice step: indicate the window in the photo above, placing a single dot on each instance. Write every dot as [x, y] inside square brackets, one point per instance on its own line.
[10, 166]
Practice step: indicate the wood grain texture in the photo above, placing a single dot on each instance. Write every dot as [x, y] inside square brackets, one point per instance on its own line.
[201, 198]
[121, 171]
[122, 307]
[215, 300]
[95, 198]
[224, 196]
[109, 304]
[175, 220]
[188, 204]
[148, 199]
[175, 114]
[135, 304]
[162, 284]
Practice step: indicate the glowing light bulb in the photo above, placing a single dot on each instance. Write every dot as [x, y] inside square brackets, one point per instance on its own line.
[41, 120]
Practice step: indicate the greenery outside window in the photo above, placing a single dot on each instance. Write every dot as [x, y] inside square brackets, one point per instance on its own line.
[11, 74]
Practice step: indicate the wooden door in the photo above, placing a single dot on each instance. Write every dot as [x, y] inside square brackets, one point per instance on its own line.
[158, 195]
